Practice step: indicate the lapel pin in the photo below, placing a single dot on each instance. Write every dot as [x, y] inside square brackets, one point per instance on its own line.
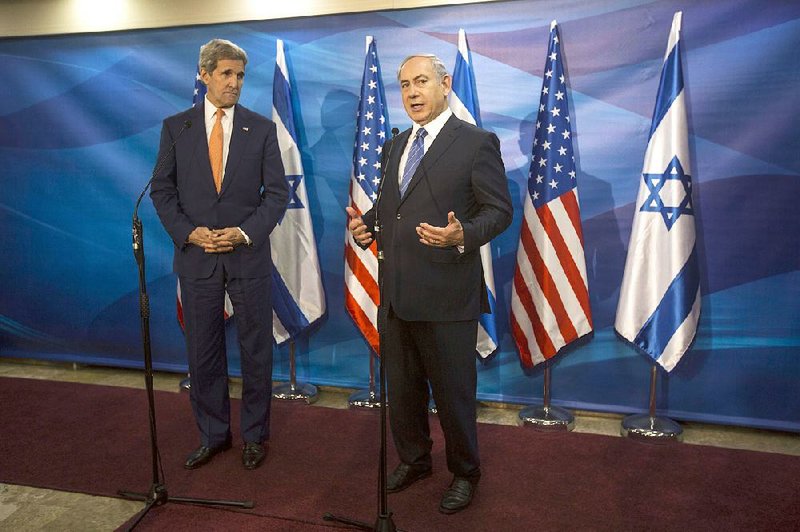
[245, 129]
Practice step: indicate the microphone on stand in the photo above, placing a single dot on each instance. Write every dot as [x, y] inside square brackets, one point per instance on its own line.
[157, 495]
[160, 164]
[377, 227]
[137, 224]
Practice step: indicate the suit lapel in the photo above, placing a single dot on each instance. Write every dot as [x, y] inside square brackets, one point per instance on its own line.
[440, 145]
[240, 135]
[199, 139]
[392, 172]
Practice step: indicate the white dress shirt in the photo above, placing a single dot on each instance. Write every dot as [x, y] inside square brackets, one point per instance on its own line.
[227, 128]
[432, 128]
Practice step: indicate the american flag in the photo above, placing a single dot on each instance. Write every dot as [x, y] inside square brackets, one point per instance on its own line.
[199, 93]
[550, 296]
[361, 265]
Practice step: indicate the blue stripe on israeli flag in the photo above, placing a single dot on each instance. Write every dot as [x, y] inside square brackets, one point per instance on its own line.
[463, 101]
[659, 303]
[297, 296]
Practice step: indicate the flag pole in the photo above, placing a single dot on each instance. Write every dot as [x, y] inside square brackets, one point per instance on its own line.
[650, 427]
[292, 391]
[370, 397]
[546, 416]
[662, 257]
[550, 306]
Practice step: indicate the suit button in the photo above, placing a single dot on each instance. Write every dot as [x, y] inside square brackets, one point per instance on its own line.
[398, 216]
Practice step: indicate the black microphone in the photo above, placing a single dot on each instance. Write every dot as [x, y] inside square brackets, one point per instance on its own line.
[186, 125]
[395, 131]
[137, 224]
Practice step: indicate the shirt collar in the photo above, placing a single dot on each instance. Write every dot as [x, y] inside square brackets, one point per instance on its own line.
[211, 110]
[434, 126]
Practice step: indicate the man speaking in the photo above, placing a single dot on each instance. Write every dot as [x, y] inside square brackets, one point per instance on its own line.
[219, 194]
[444, 195]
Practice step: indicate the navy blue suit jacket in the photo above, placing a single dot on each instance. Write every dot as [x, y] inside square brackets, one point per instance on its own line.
[463, 172]
[254, 192]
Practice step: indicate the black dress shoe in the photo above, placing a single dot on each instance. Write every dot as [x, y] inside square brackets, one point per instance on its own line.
[405, 475]
[458, 495]
[203, 455]
[252, 455]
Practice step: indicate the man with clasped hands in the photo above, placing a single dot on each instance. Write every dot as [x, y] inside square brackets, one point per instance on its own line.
[220, 192]
[444, 195]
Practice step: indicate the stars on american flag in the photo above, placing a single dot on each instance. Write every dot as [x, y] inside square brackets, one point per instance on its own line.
[549, 297]
[199, 88]
[371, 130]
[552, 170]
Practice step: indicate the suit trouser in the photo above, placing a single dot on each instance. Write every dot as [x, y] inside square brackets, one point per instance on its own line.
[203, 303]
[442, 353]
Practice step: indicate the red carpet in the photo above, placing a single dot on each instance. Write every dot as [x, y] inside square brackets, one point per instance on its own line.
[94, 439]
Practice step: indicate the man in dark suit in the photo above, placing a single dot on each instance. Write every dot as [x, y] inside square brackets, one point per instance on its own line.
[219, 194]
[444, 195]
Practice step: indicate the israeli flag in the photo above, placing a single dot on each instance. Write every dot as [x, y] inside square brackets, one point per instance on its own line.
[463, 100]
[659, 303]
[297, 296]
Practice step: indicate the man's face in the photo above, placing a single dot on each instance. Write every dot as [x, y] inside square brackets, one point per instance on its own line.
[424, 96]
[224, 83]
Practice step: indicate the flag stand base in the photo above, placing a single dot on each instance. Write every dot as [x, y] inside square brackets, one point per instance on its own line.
[369, 398]
[432, 408]
[545, 416]
[296, 391]
[644, 427]
[649, 427]
[365, 399]
[549, 418]
[292, 390]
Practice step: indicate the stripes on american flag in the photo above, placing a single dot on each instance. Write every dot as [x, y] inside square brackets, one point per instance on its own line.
[361, 265]
[550, 296]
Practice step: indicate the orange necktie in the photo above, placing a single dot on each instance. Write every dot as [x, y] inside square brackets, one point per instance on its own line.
[215, 150]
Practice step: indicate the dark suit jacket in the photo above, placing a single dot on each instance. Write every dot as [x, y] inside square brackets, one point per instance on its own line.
[462, 172]
[254, 192]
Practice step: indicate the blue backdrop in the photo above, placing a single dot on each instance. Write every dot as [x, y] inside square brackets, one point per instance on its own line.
[80, 117]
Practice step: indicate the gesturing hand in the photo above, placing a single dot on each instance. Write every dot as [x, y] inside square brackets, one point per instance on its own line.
[442, 237]
[358, 228]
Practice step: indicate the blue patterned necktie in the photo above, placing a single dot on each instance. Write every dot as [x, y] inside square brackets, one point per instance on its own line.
[414, 157]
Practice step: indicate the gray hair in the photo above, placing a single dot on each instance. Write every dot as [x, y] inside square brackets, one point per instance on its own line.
[438, 67]
[217, 49]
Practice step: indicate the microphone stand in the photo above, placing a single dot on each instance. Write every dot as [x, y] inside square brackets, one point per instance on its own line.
[157, 495]
[383, 522]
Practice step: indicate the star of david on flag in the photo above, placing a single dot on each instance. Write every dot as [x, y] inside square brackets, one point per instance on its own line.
[658, 186]
[298, 300]
[659, 302]
[295, 202]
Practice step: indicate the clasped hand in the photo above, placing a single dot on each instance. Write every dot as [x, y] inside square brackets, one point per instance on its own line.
[216, 240]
